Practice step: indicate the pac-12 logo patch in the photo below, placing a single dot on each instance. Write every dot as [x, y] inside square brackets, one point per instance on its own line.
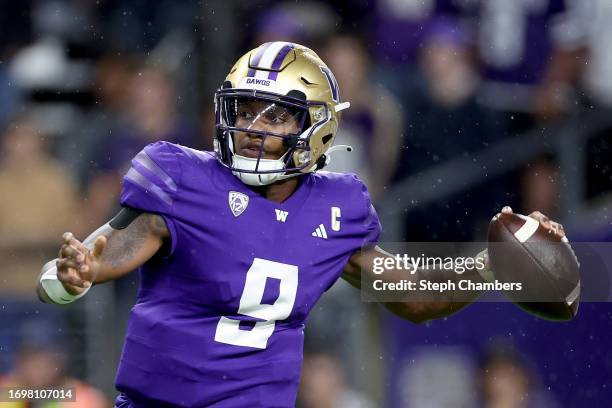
[238, 202]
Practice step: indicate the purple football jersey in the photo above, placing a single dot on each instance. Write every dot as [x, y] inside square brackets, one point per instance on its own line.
[219, 319]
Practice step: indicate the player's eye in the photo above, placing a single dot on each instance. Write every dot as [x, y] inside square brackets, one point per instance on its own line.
[245, 115]
[278, 120]
[275, 117]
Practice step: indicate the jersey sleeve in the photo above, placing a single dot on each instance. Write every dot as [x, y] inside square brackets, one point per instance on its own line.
[368, 218]
[151, 184]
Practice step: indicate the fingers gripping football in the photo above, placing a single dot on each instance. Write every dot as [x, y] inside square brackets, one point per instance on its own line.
[552, 226]
[77, 266]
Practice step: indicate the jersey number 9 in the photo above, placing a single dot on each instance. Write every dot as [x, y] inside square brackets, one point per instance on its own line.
[229, 331]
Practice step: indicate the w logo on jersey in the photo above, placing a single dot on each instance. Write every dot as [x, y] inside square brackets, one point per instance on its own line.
[281, 215]
[238, 202]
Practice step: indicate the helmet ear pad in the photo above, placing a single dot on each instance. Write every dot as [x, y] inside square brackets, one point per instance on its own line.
[297, 94]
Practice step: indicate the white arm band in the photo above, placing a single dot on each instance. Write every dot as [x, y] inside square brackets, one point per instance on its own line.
[48, 278]
[54, 288]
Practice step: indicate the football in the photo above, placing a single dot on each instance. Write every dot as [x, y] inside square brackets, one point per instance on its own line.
[523, 250]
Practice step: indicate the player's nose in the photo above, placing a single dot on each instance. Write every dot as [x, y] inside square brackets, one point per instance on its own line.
[254, 138]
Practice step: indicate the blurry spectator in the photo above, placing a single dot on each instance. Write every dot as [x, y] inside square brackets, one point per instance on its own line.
[593, 19]
[43, 366]
[373, 124]
[323, 385]
[590, 69]
[150, 116]
[400, 28]
[522, 47]
[398, 34]
[38, 204]
[113, 75]
[519, 42]
[540, 188]
[528, 51]
[446, 122]
[508, 383]
[588, 61]
[438, 377]
[338, 324]
[303, 22]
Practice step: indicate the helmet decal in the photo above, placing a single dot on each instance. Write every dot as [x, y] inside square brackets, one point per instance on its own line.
[269, 59]
[333, 84]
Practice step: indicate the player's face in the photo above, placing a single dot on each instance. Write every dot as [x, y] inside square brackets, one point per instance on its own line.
[265, 117]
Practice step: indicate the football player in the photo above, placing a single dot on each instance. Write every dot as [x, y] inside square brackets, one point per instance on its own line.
[235, 247]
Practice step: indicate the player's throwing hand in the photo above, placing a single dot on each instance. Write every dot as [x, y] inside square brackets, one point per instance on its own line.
[77, 266]
[549, 224]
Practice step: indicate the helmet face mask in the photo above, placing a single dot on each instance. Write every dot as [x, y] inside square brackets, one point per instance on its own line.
[294, 110]
[259, 115]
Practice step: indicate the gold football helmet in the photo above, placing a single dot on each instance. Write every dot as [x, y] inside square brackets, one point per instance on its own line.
[288, 79]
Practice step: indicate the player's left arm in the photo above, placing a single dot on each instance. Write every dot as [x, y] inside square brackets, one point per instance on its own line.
[360, 268]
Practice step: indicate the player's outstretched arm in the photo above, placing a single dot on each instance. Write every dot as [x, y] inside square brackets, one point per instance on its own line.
[360, 269]
[105, 255]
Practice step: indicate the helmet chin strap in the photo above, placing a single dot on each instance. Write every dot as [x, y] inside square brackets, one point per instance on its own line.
[249, 164]
[259, 179]
[255, 179]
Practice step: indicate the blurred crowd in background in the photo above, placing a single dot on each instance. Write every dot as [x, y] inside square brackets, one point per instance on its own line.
[458, 107]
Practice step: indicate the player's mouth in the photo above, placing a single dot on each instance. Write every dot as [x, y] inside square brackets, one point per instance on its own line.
[251, 149]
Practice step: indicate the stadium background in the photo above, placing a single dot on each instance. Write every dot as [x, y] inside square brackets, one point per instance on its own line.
[458, 107]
